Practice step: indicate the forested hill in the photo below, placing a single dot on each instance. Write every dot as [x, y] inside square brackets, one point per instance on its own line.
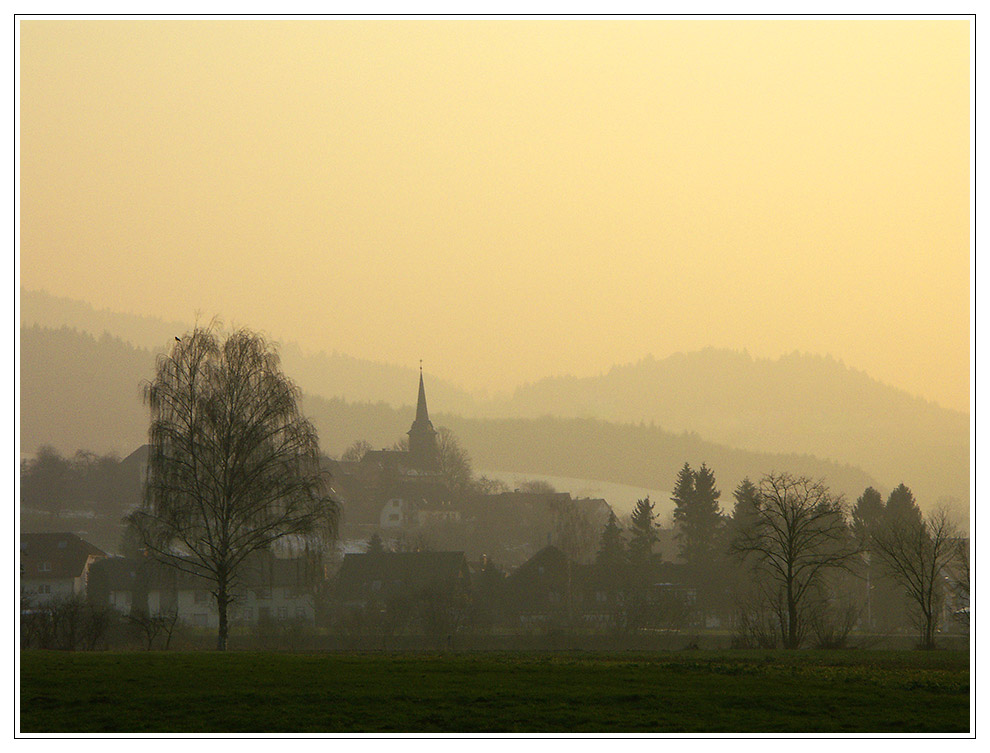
[83, 392]
[637, 455]
[330, 374]
[794, 404]
[799, 402]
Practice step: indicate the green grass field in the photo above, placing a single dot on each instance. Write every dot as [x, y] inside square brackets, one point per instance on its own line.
[690, 691]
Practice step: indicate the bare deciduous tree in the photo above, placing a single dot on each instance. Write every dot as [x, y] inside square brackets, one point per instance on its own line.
[455, 463]
[356, 451]
[151, 626]
[917, 554]
[537, 486]
[800, 533]
[233, 467]
[960, 583]
[485, 485]
[66, 624]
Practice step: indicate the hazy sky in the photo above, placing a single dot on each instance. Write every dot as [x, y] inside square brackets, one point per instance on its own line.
[509, 200]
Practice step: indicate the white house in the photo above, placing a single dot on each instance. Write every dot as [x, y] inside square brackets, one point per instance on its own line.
[269, 589]
[55, 566]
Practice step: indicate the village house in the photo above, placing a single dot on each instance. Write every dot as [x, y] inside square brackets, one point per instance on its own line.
[374, 578]
[269, 588]
[121, 583]
[55, 567]
[549, 589]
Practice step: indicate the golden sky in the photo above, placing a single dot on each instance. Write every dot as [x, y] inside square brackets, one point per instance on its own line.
[513, 199]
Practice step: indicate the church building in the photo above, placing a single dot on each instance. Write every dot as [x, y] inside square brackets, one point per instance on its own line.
[423, 456]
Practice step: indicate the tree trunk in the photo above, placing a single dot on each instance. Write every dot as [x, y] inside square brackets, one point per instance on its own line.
[222, 600]
[928, 633]
[792, 619]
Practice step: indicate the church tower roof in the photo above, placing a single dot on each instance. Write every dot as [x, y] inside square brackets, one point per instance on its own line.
[423, 450]
[422, 414]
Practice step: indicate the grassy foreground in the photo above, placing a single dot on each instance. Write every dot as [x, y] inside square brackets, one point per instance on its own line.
[692, 691]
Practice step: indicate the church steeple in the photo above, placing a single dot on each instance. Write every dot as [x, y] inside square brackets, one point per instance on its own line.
[423, 450]
[422, 414]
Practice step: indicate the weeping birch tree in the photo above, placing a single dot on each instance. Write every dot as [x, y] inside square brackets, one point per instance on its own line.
[233, 466]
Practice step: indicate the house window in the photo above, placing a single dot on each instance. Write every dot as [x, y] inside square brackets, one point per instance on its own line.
[283, 613]
[44, 588]
[394, 516]
[45, 567]
[62, 544]
[300, 613]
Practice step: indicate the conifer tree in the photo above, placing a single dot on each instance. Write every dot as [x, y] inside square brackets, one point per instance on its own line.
[745, 512]
[683, 488]
[867, 518]
[612, 549]
[682, 497]
[745, 508]
[643, 534]
[740, 574]
[901, 508]
[697, 515]
[867, 514]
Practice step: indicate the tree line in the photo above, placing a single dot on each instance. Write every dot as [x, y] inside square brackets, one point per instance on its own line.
[234, 468]
[791, 559]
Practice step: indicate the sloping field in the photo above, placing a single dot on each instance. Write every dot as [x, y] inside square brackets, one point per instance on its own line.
[693, 691]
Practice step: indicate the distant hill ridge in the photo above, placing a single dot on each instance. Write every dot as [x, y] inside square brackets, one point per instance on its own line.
[797, 403]
[83, 392]
[332, 375]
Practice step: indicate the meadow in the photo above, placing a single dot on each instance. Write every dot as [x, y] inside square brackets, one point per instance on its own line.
[686, 691]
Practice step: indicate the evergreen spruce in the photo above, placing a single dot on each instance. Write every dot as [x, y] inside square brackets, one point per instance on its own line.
[745, 512]
[880, 595]
[867, 514]
[643, 534]
[612, 549]
[901, 508]
[682, 497]
[697, 515]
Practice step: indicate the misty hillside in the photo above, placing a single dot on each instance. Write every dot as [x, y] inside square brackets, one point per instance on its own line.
[577, 448]
[82, 392]
[332, 375]
[798, 402]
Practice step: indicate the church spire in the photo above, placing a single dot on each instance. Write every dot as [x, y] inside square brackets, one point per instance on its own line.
[422, 414]
[423, 450]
